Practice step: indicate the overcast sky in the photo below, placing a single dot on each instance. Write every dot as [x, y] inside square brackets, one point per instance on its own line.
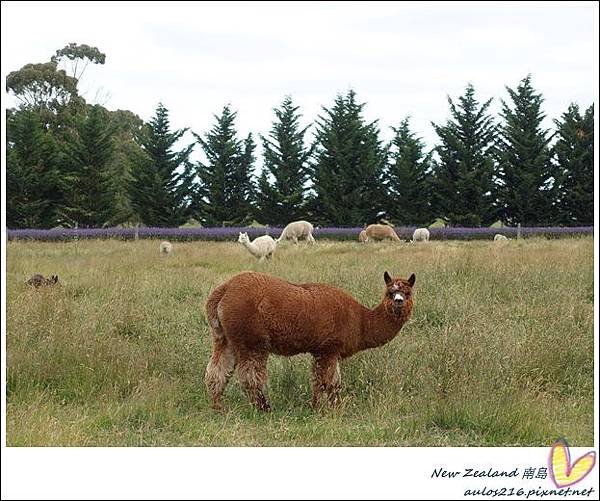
[401, 59]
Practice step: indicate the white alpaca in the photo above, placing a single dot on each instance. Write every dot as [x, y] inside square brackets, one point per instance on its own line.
[420, 235]
[500, 238]
[165, 248]
[296, 230]
[262, 247]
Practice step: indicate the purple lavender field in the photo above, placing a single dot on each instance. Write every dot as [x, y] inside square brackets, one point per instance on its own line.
[331, 233]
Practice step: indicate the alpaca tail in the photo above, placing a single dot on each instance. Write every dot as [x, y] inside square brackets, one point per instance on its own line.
[212, 310]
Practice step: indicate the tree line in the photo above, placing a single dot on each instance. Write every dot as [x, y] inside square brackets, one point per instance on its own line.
[74, 164]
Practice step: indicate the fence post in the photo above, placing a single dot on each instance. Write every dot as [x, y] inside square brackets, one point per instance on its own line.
[518, 231]
[137, 232]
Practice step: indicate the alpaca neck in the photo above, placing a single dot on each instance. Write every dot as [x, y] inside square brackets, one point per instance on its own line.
[251, 247]
[381, 325]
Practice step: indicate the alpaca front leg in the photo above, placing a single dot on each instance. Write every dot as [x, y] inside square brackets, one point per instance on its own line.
[326, 378]
[311, 239]
[219, 371]
[252, 371]
[335, 384]
[318, 379]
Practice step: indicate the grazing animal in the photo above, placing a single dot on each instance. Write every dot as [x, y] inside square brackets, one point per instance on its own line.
[421, 235]
[362, 237]
[262, 247]
[296, 230]
[381, 232]
[38, 280]
[500, 238]
[165, 248]
[253, 315]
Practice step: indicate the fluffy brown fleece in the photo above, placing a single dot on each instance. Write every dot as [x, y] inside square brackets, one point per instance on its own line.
[381, 232]
[253, 315]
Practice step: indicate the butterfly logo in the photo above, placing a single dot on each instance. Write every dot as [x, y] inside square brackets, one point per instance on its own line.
[563, 471]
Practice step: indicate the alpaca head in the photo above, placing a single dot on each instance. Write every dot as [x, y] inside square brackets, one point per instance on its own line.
[398, 293]
[243, 238]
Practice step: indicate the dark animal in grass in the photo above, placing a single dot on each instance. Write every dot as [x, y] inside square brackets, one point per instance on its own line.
[40, 281]
[253, 315]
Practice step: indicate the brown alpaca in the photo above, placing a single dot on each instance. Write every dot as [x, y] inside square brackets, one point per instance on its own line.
[381, 232]
[253, 315]
[40, 281]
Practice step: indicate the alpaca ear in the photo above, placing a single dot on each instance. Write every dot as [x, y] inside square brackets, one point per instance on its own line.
[412, 279]
[387, 278]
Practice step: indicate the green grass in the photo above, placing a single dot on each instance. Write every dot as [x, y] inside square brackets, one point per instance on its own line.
[499, 350]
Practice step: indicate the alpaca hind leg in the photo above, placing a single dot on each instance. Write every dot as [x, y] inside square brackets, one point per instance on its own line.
[219, 370]
[252, 371]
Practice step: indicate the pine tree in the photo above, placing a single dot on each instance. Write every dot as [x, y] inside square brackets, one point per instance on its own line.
[525, 174]
[574, 153]
[286, 164]
[463, 175]
[162, 178]
[226, 187]
[34, 183]
[408, 178]
[268, 210]
[242, 202]
[89, 152]
[347, 175]
[127, 153]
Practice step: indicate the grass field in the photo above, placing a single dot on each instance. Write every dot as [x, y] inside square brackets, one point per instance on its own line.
[499, 350]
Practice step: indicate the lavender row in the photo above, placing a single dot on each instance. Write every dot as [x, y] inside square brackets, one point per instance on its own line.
[488, 233]
[231, 233]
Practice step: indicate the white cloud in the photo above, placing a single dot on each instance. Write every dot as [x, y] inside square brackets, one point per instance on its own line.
[402, 59]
